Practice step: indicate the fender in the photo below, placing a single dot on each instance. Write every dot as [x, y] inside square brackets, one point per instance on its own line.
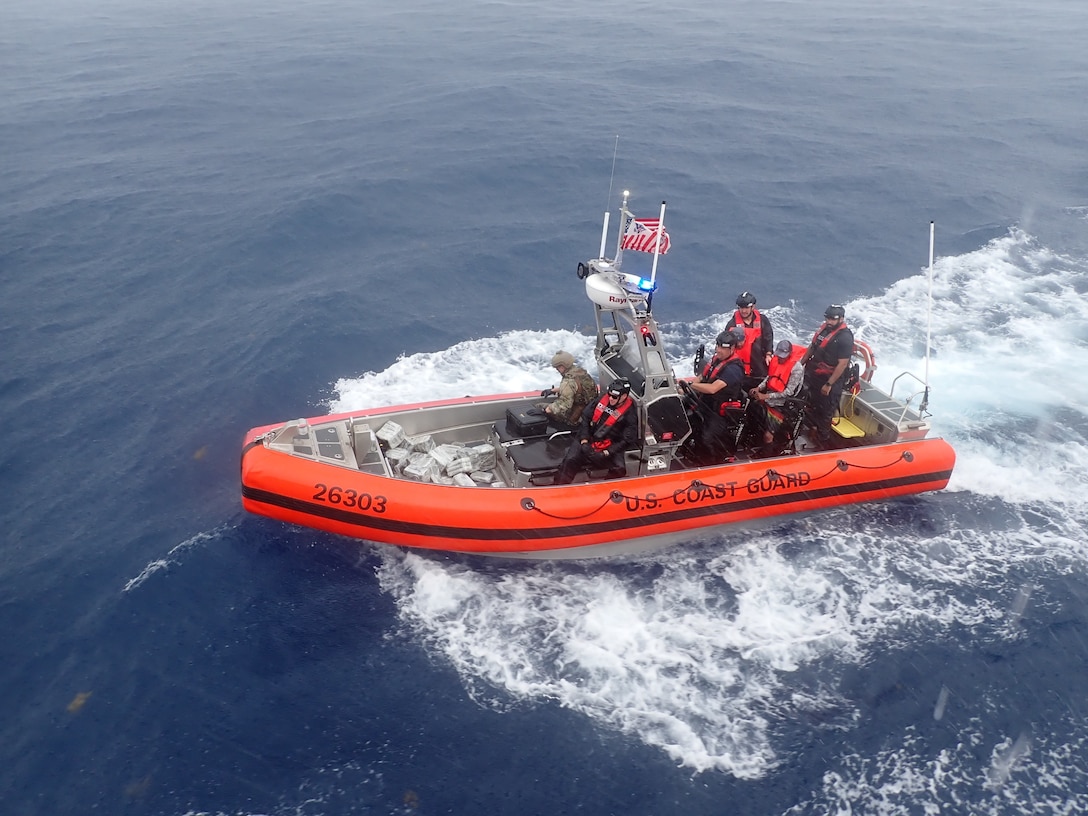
[864, 353]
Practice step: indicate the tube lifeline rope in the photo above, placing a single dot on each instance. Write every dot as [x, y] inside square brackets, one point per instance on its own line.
[843, 465]
[529, 504]
[617, 496]
[906, 456]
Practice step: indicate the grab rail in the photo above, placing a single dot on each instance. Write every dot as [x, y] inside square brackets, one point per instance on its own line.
[907, 402]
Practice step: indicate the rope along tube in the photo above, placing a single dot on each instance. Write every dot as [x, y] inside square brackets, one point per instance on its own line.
[617, 496]
[529, 504]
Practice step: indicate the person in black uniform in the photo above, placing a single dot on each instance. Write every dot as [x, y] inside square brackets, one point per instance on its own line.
[722, 378]
[757, 338]
[717, 396]
[825, 363]
[609, 429]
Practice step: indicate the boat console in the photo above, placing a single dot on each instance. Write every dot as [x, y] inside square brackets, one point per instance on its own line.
[629, 345]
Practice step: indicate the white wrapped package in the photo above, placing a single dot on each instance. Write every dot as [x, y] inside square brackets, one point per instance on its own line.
[398, 458]
[421, 468]
[444, 454]
[464, 480]
[462, 463]
[422, 443]
[483, 456]
[482, 476]
[391, 435]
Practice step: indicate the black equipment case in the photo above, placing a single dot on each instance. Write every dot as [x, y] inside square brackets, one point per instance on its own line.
[527, 422]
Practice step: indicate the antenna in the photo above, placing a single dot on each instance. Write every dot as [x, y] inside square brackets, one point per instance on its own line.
[929, 322]
[611, 178]
[624, 215]
[657, 243]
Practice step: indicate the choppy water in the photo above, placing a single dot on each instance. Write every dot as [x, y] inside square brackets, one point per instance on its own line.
[217, 218]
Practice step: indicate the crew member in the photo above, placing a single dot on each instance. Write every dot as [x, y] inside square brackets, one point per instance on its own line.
[825, 363]
[758, 338]
[784, 380]
[717, 409]
[722, 379]
[575, 391]
[609, 428]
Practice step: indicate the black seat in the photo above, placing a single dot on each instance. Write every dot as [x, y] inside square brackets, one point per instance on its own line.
[716, 436]
[538, 456]
[793, 413]
[736, 426]
[622, 368]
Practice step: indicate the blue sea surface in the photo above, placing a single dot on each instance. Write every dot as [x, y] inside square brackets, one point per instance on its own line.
[215, 216]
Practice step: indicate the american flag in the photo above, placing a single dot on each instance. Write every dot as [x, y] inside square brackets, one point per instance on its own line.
[640, 234]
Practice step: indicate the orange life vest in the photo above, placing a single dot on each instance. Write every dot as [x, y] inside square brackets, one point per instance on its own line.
[778, 372]
[611, 417]
[821, 367]
[751, 334]
[710, 371]
[729, 396]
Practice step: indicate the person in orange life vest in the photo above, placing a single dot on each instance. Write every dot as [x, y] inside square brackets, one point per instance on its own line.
[758, 339]
[783, 381]
[609, 429]
[722, 379]
[825, 362]
[719, 388]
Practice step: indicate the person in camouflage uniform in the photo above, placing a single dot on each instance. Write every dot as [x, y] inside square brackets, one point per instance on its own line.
[575, 391]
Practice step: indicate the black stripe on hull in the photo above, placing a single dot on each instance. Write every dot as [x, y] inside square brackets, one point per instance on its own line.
[724, 510]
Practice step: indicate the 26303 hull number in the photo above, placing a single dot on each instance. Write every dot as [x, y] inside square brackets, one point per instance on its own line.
[346, 497]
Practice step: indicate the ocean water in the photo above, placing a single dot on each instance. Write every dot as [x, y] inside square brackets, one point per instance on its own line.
[215, 216]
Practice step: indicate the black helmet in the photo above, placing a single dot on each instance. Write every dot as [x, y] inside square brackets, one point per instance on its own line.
[835, 310]
[619, 388]
[746, 299]
[727, 338]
